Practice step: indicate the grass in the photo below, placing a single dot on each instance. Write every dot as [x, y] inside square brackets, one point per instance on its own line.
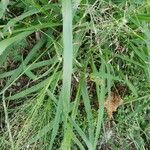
[59, 60]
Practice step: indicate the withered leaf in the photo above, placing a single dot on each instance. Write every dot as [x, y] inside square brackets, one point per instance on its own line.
[112, 102]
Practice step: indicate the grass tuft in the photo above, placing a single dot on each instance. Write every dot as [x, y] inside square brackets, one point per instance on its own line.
[60, 61]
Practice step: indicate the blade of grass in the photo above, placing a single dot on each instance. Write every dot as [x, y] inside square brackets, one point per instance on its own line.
[27, 59]
[101, 97]
[39, 102]
[34, 66]
[67, 68]
[55, 124]
[40, 134]
[76, 140]
[88, 110]
[29, 13]
[33, 28]
[3, 7]
[8, 123]
[30, 90]
[81, 133]
[146, 31]
[18, 76]
[129, 84]
[76, 102]
[68, 52]
[30, 74]
[67, 73]
[7, 42]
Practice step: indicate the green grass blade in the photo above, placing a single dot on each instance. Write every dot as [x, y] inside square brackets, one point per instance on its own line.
[7, 42]
[81, 133]
[3, 7]
[55, 124]
[27, 59]
[33, 66]
[77, 141]
[29, 13]
[67, 67]
[101, 96]
[29, 90]
[40, 134]
[88, 110]
[68, 52]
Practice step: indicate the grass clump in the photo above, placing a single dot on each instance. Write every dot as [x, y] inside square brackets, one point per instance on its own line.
[61, 60]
